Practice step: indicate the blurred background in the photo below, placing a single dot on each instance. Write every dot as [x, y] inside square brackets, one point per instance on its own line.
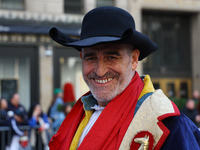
[33, 65]
[49, 75]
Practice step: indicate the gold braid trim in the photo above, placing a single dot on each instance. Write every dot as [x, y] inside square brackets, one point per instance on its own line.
[82, 125]
[148, 86]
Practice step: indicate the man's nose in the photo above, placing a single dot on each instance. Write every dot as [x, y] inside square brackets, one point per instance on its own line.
[101, 68]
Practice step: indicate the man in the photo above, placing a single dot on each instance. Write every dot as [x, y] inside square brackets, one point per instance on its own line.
[191, 111]
[21, 117]
[20, 113]
[6, 117]
[121, 111]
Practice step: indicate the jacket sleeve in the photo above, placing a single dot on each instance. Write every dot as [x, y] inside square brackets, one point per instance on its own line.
[45, 118]
[184, 134]
[32, 122]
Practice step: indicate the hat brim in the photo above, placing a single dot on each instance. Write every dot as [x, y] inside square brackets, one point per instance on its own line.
[93, 41]
[65, 40]
[140, 41]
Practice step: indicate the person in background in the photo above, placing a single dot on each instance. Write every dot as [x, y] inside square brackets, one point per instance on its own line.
[20, 115]
[55, 111]
[191, 112]
[66, 109]
[122, 110]
[195, 97]
[7, 119]
[198, 103]
[38, 120]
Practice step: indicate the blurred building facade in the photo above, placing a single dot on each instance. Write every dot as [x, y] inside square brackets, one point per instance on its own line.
[33, 65]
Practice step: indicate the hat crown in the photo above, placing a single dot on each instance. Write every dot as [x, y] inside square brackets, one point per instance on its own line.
[106, 21]
[107, 24]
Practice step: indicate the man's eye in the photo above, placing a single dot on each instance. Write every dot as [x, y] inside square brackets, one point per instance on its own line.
[90, 58]
[111, 58]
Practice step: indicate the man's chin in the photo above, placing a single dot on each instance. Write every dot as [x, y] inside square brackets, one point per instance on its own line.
[103, 97]
[104, 94]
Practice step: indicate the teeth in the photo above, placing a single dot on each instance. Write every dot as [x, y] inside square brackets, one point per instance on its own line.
[104, 81]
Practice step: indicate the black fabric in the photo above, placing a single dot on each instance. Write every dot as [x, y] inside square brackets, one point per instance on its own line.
[107, 24]
[106, 21]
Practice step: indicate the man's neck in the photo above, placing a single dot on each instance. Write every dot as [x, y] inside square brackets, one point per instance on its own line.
[102, 104]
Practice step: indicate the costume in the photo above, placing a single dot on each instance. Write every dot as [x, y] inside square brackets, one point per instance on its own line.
[148, 116]
[139, 109]
[107, 24]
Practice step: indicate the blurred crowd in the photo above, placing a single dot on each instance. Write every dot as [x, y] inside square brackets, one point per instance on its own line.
[192, 108]
[13, 114]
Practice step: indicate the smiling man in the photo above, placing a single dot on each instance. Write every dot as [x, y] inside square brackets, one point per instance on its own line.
[104, 71]
[121, 110]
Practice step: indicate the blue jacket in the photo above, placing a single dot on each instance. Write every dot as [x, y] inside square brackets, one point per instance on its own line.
[33, 122]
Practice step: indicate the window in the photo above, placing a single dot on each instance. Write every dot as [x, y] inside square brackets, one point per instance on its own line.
[174, 87]
[12, 4]
[100, 3]
[73, 6]
[15, 77]
[8, 87]
[172, 34]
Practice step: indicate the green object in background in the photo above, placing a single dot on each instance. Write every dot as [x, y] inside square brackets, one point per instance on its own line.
[57, 90]
[180, 102]
[60, 107]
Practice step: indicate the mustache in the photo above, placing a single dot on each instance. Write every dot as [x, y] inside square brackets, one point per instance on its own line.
[106, 75]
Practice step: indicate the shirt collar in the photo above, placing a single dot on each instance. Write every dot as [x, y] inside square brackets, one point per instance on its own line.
[88, 102]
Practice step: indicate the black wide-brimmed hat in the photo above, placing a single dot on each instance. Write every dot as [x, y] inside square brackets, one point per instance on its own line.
[107, 24]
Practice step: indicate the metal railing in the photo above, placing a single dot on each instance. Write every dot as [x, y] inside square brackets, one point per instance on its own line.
[6, 137]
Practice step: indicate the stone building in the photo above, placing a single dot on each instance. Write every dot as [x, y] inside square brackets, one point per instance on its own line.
[33, 65]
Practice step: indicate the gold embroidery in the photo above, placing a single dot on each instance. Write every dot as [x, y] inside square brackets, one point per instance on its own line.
[144, 141]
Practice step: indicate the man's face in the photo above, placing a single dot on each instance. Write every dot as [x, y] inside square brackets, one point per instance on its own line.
[108, 69]
[4, 104]
[15, 99]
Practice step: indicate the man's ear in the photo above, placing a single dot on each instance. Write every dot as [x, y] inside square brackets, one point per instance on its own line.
[134, 57]
[80, 55]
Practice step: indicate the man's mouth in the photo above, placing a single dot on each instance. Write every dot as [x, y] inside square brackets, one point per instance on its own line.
[102, 81]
